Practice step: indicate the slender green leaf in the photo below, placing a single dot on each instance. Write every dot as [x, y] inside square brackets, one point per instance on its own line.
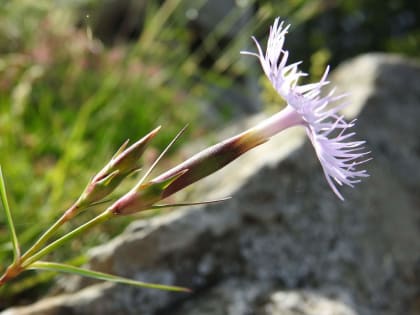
[58, 267]
[9, 219]
[33, 281]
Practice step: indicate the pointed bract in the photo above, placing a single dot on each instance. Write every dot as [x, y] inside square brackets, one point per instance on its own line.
[143, 197]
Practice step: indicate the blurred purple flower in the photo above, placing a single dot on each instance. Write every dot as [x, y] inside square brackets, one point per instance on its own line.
[306, 106]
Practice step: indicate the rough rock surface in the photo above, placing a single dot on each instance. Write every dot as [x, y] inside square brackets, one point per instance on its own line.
[284, 244]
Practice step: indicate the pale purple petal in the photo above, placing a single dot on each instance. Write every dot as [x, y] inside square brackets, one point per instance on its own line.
[326, 128]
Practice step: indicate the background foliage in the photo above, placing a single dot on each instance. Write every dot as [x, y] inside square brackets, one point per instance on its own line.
[77, 78]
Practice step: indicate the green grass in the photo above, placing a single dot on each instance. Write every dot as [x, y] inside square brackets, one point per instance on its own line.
[67, 103]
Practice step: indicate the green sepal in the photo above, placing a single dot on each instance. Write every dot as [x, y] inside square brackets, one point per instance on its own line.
[143, 197]
[160, 186]
[107, 179]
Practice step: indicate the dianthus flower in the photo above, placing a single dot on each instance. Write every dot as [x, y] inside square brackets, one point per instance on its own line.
[318, 113]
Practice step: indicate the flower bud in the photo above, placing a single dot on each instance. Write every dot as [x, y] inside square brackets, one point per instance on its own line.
[124, 162]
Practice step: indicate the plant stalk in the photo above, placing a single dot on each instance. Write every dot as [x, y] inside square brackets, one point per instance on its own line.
[104, 216]
[66, 216]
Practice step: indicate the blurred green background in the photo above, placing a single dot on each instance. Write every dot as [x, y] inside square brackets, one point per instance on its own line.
[79, 77]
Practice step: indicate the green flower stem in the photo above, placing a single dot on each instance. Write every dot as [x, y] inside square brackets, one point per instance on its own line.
[70, 213]
[104, 216]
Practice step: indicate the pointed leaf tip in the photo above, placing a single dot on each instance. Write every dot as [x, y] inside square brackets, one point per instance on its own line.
[183, 204]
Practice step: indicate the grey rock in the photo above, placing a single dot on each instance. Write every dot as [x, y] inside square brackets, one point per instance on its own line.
[284, 244]
[301, 302]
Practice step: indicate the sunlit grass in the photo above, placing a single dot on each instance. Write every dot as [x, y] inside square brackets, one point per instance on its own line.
[67, 102]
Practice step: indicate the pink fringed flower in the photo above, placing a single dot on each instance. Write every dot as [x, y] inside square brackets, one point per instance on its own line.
[306, 105]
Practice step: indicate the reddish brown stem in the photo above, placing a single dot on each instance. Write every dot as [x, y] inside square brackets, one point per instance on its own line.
[11, 272]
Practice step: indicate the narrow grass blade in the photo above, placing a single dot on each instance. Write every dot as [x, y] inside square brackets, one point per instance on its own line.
[9, 219]
[58, 267]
